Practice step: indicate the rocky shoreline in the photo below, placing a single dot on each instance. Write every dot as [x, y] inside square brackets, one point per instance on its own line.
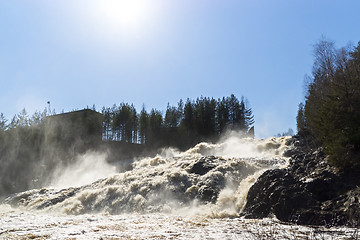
[308, 192]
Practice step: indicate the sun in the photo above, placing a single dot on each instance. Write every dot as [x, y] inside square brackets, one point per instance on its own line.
[122, 21]
[124, 13]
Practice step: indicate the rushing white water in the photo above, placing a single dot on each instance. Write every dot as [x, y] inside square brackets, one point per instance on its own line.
[179, 195]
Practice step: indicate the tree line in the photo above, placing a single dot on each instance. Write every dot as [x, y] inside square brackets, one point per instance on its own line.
[181, 126]
[330, 115]
[32, 147]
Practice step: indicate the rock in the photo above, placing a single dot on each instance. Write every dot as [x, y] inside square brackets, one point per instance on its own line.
[210, 187]
[203, 165]
[309, 192]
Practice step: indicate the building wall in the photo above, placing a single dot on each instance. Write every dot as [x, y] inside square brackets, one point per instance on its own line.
[78, 127]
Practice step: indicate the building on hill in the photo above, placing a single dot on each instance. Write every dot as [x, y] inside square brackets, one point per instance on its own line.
[81, 127]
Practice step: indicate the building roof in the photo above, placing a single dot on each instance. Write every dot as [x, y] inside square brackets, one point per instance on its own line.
[84, 111]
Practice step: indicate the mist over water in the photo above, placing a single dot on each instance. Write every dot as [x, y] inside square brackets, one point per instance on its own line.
[195, 194]
[208, 180]
[86, 169]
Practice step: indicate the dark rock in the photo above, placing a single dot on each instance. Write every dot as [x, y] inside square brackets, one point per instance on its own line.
[309, 191]
[61, 196]
[203, 165]
[210, 187]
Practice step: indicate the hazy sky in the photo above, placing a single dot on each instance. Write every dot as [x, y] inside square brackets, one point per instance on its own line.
[82, 52]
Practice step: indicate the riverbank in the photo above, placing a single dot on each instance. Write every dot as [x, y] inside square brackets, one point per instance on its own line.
[308, 192]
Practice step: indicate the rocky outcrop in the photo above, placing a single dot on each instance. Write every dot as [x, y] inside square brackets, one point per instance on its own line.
[309, 191]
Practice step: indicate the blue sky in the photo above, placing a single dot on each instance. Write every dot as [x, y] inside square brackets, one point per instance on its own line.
[83, 52]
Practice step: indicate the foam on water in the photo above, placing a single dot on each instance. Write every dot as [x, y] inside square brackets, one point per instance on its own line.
[175, 195]
[208, 179]
[25, 225]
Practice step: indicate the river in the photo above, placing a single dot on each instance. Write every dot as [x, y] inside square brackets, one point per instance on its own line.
[196, 194]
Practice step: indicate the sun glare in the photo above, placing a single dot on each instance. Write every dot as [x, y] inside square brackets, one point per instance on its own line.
[124, 13]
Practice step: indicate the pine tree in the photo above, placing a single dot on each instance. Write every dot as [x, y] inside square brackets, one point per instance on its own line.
[300, 118]
[3, 121]
[107, 123]
[222, 115]
[248, 115]
[332, 107]
[155, 128]
[143, 126]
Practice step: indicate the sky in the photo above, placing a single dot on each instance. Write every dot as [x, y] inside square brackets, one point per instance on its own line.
[153, 52]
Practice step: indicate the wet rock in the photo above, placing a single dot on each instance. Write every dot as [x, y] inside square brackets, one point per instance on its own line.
[203, 165]
[61, 196]
[309, 192]
[210, 187]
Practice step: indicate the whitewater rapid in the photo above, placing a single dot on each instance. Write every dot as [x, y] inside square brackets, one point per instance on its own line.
[195, 194]
[209, 180]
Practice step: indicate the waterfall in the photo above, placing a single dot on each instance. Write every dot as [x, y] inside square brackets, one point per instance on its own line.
[210, 180]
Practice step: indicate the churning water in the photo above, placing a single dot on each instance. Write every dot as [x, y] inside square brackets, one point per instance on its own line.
[197, 194]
